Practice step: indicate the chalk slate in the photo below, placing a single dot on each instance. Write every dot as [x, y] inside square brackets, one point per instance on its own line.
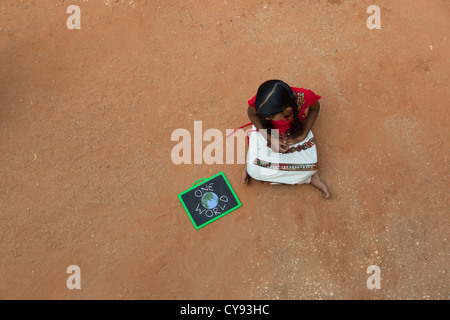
[209, 199]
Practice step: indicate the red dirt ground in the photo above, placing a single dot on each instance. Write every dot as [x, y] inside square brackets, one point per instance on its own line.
[98, 106]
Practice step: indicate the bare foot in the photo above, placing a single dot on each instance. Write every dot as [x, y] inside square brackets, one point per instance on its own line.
[245, 176]
[318, 183]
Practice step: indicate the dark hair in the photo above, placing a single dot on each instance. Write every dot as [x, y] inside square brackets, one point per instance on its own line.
[273, 97]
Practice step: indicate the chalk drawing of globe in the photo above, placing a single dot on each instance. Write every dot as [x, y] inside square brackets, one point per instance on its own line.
[210, 200]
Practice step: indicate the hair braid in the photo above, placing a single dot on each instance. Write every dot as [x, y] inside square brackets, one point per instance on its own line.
[297, 125]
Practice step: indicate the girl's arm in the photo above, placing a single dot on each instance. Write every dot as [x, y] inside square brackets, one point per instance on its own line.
[255, 118]
[313, 112]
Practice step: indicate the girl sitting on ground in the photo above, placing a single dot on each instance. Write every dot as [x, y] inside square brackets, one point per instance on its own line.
[282, 148]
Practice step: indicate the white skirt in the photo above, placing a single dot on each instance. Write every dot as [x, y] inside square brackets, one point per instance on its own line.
[297, 166]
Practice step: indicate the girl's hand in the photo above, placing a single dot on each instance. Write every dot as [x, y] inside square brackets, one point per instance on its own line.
[291, 140]
[277, 145]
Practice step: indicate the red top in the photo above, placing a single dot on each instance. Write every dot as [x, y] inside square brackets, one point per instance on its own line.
[305, 99]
